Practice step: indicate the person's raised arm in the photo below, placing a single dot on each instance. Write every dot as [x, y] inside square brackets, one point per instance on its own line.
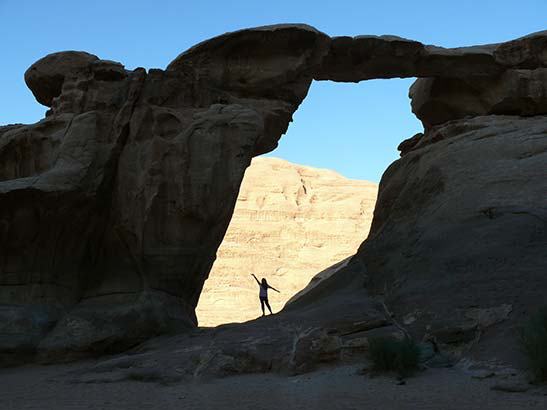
[257, 281]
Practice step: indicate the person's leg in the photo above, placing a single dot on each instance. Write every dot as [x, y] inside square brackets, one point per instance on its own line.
[262, 306]
[268, 304]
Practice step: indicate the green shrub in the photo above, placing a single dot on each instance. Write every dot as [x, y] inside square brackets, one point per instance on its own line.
[533, 339]
[391, 354]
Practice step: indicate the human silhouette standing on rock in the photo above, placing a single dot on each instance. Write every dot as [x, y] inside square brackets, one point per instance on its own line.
[263, 295]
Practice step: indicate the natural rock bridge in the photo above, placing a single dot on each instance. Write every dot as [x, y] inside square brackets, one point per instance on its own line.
[113, 206]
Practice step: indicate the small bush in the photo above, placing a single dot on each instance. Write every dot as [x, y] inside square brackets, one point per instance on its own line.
[533, 339]
[390, 354]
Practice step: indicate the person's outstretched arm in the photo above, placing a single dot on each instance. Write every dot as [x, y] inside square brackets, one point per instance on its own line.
[272, 288]
[257, 281]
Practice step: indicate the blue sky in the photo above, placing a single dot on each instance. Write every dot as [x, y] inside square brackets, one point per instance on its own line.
[352, 128]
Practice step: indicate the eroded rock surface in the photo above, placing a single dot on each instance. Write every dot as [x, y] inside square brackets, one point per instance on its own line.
[314, 332]
[515, 92]
[290, 222]
[518, 87]
[460, 230]
[113, 206]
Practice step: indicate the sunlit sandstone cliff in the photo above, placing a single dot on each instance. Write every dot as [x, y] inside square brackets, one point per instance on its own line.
[290, 222]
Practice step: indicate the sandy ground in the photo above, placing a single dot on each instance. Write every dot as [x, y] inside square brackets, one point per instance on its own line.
[337, 388]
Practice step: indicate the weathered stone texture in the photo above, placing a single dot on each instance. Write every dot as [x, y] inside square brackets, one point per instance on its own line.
[461, 223]
[113, 206]
[290, 222]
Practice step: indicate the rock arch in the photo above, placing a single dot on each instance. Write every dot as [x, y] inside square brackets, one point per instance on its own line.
[113, 206]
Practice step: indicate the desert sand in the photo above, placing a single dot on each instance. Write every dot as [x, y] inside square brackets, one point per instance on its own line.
[45, 388]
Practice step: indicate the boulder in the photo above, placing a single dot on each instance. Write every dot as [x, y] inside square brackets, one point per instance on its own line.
[313, 347]
[45, 77]
[515, 92]
[512, 386]
[407, 145]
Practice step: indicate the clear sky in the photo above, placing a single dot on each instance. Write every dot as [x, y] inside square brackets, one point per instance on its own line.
[352, 128]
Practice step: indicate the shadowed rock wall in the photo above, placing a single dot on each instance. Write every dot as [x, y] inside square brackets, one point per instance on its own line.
[460, 227]
[113, 206]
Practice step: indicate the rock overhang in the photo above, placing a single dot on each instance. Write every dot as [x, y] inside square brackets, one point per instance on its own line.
[271, 67]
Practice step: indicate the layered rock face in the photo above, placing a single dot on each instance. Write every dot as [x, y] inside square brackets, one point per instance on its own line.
[289, 222]
[460, 227]
[113, 206]
[518, 89]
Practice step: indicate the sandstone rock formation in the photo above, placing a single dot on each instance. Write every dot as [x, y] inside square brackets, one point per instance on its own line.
[518, 89]
[330, 324]
[461, 224]
[515, 92]
[113, 206]
[290, 222]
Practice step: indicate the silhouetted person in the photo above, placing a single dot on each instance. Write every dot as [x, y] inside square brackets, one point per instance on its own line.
[263, 295]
